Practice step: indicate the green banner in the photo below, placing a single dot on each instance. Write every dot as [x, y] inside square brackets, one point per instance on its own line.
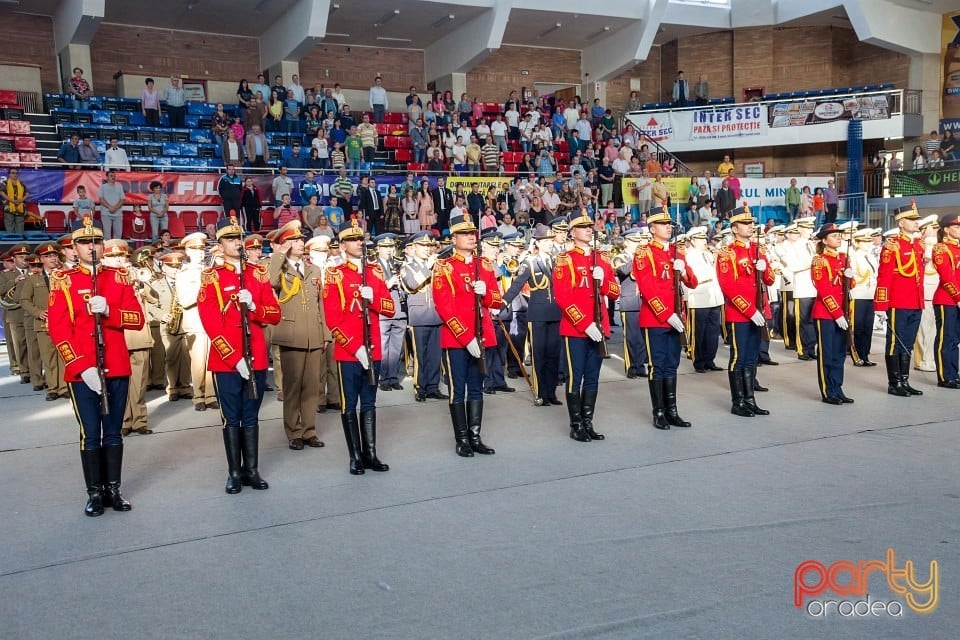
[923, 181]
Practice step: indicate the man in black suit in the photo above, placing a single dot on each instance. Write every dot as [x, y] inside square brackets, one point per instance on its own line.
[442, 203]
[371, 202]
[726, 201]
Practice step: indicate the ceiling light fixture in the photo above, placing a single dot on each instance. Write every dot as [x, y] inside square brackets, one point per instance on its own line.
[442, 21]
[544, 34]
[387, 17]
[387, 39]
[334, 7]
[598, 33]
[337, 35]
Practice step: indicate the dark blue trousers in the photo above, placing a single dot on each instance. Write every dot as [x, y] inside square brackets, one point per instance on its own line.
[496, 357]
[861, 318]
[545, 351]
[663, 345]
[95, 430]
[705, 335]
[426, 364]
[902, 327]
[806, 332]
[947, 341]
[354, 387]
[583, 364]
[744, 345]
[463, 376]
[832, 346]
[237, 409]
[634, 347]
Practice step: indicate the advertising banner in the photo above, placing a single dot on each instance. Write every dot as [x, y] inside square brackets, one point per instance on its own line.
[732, 122]
[656, 126]
[756, 192]
[950, 44]
[919, 182]
[829, 109]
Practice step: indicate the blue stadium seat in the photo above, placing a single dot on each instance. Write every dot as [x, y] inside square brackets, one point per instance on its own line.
[171, 148]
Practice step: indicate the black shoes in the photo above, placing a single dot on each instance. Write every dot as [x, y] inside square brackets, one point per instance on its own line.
[659, 405]
[90, 460]
[831, 400]
[437, 395]
[231, 443]
[554, 401]
[949, 384]
[296, 444]
[768, 362]
[505, 389]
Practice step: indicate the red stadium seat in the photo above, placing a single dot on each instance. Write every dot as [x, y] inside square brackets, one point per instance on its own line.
[19, 127]
[55, 221]
[404, 155]
[416, 166]
[395, 117]
[190, 220]
[25, 143]
[267, 221]
[9, 159]
[4, 126]
[175, 225]
[208, 217]
[8, 96]
[27, 159]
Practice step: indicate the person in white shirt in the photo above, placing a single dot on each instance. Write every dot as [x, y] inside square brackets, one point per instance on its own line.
[483, 131]
[297, 88]
[534, 114]
[571, 115]
[338, 96]
[527, 129]
[378, 100]
[512, 117]
[460, 155]
[464, 132]
[498, 129]
[115, 157]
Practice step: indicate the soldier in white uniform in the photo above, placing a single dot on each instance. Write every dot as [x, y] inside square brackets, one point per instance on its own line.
[799, 259]
[788, 327]
[704, 302]
[863, 261]
[923, 349]
[188, 287]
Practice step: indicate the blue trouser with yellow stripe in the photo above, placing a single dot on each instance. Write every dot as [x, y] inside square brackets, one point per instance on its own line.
[806, 333]
[902, 327]
[634, 348]
[583, 364]
[663, 347]
[947, 341]
[464, 379]
[862, 322]
[426, 346]
[832, 346]
[96, 430]
[744, 345]
[237, 408]
[545, 352]
[354, 387]
[705, 324]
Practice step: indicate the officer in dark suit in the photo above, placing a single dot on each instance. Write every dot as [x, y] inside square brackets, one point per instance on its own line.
[543, 316]
[371, 203]
[635, 349]
[495, 354]
[515, 315]
[392, 330]
[442, 203]
[422, 318]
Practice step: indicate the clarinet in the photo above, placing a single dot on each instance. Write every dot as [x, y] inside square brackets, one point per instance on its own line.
[252, 392]
[99, 343]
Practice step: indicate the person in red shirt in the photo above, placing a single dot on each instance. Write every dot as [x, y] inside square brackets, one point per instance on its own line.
[459, 285]
[828, 269]
[900, 295]
[946, 300]
[344, 296]
[227, 291]
[661, 322]
[581, 330]
[737, 267]
[77, 305]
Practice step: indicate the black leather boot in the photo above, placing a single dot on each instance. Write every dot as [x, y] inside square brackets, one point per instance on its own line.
[588, 402]
[368, 440]
[658, 404]
[113, 461]
[90, 460]
[739, 406]
[474, 423]
[573, 412]
[748, 388]
[250, 452]
[756, 383]
[670, 403]
[458, 415]
[905, 375]
[894, 383]
[231, 443]
[351, 433]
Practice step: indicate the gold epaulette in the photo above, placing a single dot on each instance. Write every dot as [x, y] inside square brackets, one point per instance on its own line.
[208, 276]
[261, 273]
[60, 279]
[378, 271]
[120, 274]
[563, 259]
[443, 266]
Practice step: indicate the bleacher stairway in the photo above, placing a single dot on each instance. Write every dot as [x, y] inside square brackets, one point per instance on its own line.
[45, 131]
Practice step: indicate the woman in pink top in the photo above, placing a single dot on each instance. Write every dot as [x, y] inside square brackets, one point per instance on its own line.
[150, 104]
[425, 211]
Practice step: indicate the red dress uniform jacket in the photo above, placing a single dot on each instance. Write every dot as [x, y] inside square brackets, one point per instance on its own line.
[900, 276]
[456, 302]
[573, 287]
[826, 269]
[736, 275]
[946, 259]
[343, 309]
[653, 273]
[220, 315]
[71, 323]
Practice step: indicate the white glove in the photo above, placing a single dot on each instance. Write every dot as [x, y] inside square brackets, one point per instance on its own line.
[244, 297]
[367, 294]
[494, 313]
[91, 378]
[758, 319]
[958, 304]
[480, 288]
[598, 274]
[842, 323]
[242, 369]
[393, 282]
[679, 265]
[761, 265]
[98, 304]
[594, 332]
[362, 357]
[848, 273]
[675, 322]
[473, 347]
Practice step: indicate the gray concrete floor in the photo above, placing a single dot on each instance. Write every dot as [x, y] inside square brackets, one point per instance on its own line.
[681, 534]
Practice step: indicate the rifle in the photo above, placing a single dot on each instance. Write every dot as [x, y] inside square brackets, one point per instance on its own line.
[365, 313]
[98, 338]
[477, 310]
[761, 297]
[598, 309]
[848, 303]
[252, 392]
[678, 305]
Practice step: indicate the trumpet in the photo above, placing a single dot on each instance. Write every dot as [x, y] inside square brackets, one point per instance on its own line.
[512, 265]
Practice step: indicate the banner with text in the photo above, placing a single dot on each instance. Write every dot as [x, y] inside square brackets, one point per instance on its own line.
[919, 182]
[950, 44]
[820, 110]
[732, 122]
[756, 192]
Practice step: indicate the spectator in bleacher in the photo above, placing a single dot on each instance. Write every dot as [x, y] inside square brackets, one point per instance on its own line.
[282, 185]
[257, 113]
[112, 198]
[69, 153]
[286, 212]
[633, 103]
[558, 123]
[792, 198]
[806, 202]
[14, 195]
[321, 147]
[583, 127]
[343, 189]
[231, 151]
[570, 118]
[606, 174]
[918, 161]
[291, 113]
[607, 126]
[629, 139]
[937, 161]
[413, 98]
[379, 102]
[474, 199]
[419, 141]
[547, 164]
[309, 187]
[261, 87]
[279, 87]
[176, 100]
[339, 96]
[274, 116]
[311, 119]
[333, 213]
[296, 158]
[426, 213]
[948, 146]
[220, 124]
[543, 138]
[725, 200]
[596, 112]
[353, 148]
[338, 158]
[159, 206]
[150, 104]
[576, 144]
[707, 182]
[725, 166]
[498, 132]
[230, 188]
[346, 118]
[459, 156]
[932, 144]
[89, 156]
[115, 157]
[681, 90]
[701, 90]
[449, 107]
[311, 212]
[734, 183]
[329, 104]
[449, 139]
[368, 138]
[250, 205]
[244, 95]
[297, 89]
[482, 129]
[589, 158]
[668, 167]
[831, 202]
[464, 110]
[79, 89]
[82, 206]
[490, 155]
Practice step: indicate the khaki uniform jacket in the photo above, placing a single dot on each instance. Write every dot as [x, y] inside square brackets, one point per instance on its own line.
[10, 289]
[141, 338]
[34, 298]
[302, 324]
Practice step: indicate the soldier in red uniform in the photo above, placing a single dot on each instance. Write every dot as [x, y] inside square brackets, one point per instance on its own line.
[580, 327]
[73, 312]
[900, 295]
[661, 322]
[828, 269]
[946, 300]
[737, 267]
[344, 296]
[224, 291]
[459, 286]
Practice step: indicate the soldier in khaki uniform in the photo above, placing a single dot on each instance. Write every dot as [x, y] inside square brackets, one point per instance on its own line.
[8, 268]
[176, 343]
[10, 287]
[68, 252]
[188, 288]
[34, 268]
[317, 249]
[301, 335]
[34, 299]
[143, 264]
